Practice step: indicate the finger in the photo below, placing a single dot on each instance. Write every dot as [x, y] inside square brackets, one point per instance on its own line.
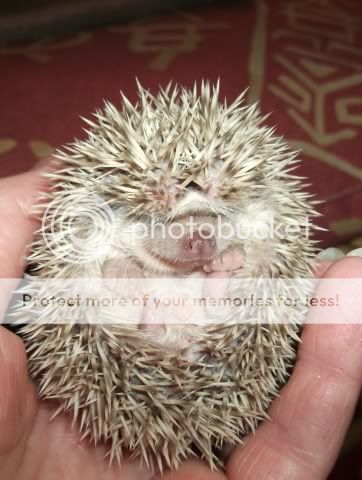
[17, 403]
[321, 267]
[310, 418]
[18, 194]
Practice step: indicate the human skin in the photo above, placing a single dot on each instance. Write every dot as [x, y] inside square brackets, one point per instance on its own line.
[302, 439]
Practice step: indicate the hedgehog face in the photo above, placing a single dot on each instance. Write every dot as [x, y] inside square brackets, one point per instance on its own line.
[182, 160]
[185, 240]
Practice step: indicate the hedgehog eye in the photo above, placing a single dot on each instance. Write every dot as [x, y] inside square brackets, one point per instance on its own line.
[194, 186]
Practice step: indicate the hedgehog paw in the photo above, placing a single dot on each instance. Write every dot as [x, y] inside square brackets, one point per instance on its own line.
[226, 262]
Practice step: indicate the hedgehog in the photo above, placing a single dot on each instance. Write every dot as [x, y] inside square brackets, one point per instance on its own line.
[167, 384]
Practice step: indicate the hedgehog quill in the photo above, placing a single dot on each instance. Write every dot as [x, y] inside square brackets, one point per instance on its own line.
[166, 391]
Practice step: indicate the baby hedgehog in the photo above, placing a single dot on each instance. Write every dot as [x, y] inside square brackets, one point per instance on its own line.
[163, 384]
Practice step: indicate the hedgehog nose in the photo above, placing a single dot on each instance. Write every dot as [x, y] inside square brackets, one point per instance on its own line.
[199, 245]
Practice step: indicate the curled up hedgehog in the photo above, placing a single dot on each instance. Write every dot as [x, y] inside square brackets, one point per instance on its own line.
[131, 376]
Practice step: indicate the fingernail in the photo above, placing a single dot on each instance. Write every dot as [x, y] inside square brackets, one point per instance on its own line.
[357, 252]
[331, 254]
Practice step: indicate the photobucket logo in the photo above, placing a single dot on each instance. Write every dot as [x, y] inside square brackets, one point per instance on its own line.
[222, 228]
[79, 227]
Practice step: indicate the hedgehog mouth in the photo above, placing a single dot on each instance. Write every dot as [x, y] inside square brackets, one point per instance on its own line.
[191, 252]
[185, 264]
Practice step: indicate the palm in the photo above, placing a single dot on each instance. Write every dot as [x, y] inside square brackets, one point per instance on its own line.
[36, 447]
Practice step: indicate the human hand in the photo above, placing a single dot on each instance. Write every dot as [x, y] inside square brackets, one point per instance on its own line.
[301, 441]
